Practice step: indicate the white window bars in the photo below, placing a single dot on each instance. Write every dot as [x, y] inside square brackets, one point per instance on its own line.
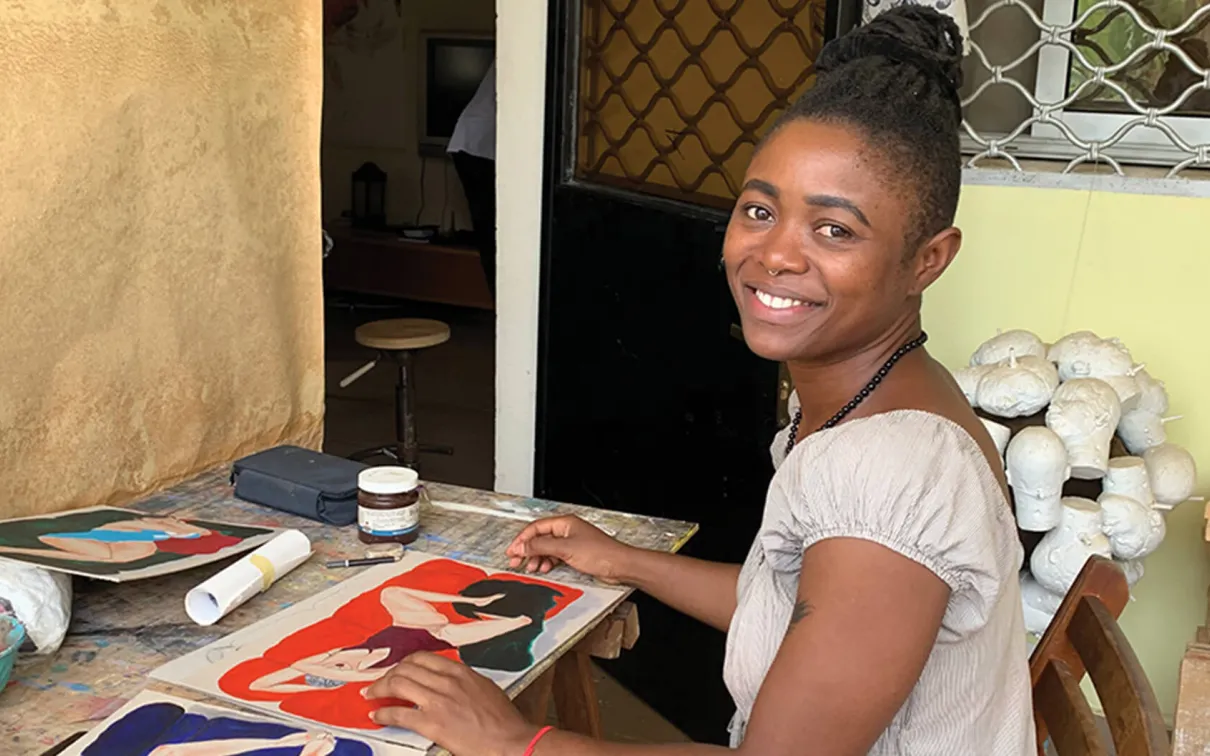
[1104, 81]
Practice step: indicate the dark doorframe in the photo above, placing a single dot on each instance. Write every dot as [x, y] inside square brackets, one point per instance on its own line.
[646, 400]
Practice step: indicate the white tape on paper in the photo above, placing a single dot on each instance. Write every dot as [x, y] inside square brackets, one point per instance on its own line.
[213, 599]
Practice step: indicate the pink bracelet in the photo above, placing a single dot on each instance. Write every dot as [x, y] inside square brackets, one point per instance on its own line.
[529, 751]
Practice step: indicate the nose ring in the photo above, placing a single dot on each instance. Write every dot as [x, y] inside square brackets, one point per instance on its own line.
[772, 273]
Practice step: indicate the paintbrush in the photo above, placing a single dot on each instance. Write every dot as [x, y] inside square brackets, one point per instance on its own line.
[454, 506]
[361, 562]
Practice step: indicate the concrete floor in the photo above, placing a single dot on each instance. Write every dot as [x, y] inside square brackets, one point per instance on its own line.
[455, 385]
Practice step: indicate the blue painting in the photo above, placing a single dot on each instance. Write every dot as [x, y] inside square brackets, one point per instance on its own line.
[155, 724]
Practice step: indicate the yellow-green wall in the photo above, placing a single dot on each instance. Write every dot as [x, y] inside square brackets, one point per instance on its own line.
[1135, 266]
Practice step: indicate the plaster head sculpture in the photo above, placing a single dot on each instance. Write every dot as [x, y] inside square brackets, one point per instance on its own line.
[1061, 553]
[1153, 397]
[1037, 467]
[1141, 430]
[1012, 390]
[1155, 535]
[968, 379]
[1039, 604]
[1094, 359]
[1128, 390]
[1127, 476]
[1134, 530]
[1000, 434]
[999, 347]
[1061, 349]
[1084, 413]
[1133, 568]
[1172, 474]
[1041, 367]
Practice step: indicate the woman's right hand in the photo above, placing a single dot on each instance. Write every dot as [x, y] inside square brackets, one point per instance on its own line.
[569, 540]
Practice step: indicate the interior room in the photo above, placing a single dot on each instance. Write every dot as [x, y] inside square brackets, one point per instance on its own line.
[410, 377]
[402, 244]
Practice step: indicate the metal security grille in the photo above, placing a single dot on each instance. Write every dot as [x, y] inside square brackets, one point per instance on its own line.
[674, 94]
[1113, 82]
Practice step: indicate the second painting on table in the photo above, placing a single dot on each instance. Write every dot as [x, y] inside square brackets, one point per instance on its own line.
[160, 724]
[109, 543]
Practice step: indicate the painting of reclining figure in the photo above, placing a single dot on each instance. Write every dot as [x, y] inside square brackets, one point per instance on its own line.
[314, 660]
[109, 543]
[159, 724]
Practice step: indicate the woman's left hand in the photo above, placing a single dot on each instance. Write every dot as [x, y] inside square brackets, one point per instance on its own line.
[457, 708]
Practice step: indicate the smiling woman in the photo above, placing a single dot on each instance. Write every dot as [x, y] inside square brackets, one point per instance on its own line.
[878, 611]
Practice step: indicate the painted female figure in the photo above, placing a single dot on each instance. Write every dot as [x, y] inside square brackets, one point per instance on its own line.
[310, 743]
[126, 541]
[321, 671]
[498, 639]
[164, 728]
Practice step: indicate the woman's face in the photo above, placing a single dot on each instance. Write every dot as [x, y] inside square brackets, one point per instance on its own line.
[820, 206]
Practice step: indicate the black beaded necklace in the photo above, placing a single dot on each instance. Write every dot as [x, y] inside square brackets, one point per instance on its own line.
[861, 395]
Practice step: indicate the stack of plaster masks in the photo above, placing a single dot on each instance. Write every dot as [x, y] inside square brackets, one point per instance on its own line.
[1074, 397]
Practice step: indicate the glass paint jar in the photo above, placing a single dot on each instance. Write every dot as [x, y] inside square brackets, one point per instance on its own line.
[388, 505]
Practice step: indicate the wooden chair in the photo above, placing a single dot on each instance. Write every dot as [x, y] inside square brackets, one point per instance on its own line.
[1084, 636]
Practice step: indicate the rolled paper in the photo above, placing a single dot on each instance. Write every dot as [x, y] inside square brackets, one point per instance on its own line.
[254, 573]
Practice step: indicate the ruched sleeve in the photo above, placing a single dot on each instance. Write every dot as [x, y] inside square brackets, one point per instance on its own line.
[913, 482]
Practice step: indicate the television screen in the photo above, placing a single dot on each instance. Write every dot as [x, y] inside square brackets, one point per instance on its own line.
[454, 67]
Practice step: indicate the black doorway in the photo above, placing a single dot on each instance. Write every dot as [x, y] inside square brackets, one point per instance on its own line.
[648, 400]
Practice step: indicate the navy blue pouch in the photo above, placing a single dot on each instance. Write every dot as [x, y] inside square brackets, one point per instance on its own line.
[302, 482]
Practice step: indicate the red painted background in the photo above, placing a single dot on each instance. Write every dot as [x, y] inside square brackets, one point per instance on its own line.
[353, 623]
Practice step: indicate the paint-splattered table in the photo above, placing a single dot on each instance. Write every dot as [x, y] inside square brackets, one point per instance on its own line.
[120, 632]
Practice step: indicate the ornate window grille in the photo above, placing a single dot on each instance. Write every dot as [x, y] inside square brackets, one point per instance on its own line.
[1081, 82]
[674, 94]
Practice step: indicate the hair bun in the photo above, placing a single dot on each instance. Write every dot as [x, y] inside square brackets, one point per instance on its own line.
[913, 34]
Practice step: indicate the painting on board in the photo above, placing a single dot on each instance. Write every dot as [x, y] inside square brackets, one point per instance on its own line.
[159, 724]
[314, 660]
[115, 544]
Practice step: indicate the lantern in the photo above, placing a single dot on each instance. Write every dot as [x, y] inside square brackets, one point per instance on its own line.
[369, 196]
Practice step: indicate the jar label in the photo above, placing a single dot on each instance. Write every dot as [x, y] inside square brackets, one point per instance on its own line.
[388, 522]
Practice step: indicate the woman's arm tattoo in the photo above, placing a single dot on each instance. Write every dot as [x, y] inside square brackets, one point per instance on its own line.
[801, 610]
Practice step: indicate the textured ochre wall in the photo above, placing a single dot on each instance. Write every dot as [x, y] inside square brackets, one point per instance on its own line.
[160, 299]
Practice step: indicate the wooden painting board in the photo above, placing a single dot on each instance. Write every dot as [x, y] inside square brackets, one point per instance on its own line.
[153, 720]
[280, 665]
[126, 551]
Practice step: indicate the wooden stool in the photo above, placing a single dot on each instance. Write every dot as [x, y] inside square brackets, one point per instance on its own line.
[398, 340]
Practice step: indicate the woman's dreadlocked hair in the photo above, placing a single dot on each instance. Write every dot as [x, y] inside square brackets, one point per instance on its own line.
[896, 79]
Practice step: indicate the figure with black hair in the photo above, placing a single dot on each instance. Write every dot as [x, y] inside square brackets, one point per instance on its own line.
[126, 540]
[879, 610]
[509, 615]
